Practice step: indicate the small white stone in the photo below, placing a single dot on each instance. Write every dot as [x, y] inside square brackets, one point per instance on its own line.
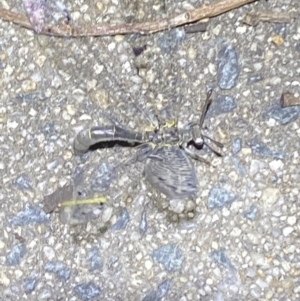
[276, 165]
[287, 231]
[32, 112]
[286, 266]
[111, 46]
[71, 109]
[4, 280]
[291, 220]
[148, 264]
[28, 86]
[241, 29]
[98, 68]
[49, 253]
[236, 232]
[107, 214]
[270, 196]
[209, 281]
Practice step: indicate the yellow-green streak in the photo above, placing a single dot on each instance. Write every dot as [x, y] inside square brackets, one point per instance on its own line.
[82, 202]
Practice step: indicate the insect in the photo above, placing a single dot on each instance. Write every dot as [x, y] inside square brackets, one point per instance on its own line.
[166, 152]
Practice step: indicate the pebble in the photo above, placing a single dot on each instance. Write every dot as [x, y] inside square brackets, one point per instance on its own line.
[192, 53]
[107, 213]
[270, 196]
[238, 165]
[177, 206]
[148, 265]
[228, 67]
[23, 182]
[152, 296]
[28, 86]
[102, 178]
[94, 259]
[219, 257]
[221, 105]
[170, 256]
[287, 231]
[163, 288]
[87, 291]
[255, 78]
[276, 165]
[236, 232]
[260, 149]
[30, 216]
[29, 284]
[49, 253]
[56, 82]
[143, 223]
[170, 39]
[291, 220]
[16, 254]
[59, 269]
[282, 115]
[251, 213]
[219, 197]
[123, 220]
[255, 292]
[236, 145]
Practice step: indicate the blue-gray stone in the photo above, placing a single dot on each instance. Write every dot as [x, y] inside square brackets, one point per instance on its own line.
[94, 259]
[228, 67]
[152, 296]
[170, 256]
[161, 291]
[48, 128]
[122, 221]
[16, 254]
[171, 39]
[87, 291]
[240, 168]
[143, 223]
[30, 216]
[260, 149]
[251, 213]
[59, 269]
[236, 145]
[103, 177]
[298, 47]
[22, 182]
[221, 105]
[78, 175]
[112, 260]
[283, 115]
[255, 79]
[219, 197]
[219, 257]
[163, 288]
[29, 284]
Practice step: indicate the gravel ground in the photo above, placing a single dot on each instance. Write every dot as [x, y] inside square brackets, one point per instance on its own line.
[238, 239]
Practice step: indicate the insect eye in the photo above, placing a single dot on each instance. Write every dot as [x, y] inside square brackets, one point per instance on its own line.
[199, 142]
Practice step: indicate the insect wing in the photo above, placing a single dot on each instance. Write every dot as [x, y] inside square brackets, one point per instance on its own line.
[169, 170]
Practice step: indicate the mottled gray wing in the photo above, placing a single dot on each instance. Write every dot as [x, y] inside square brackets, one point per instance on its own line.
[169, 170]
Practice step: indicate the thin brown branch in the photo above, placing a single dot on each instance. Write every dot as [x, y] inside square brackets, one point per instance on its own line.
[193, 15]
[254, 17]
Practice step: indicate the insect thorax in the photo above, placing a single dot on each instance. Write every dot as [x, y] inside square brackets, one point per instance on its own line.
[168, 136]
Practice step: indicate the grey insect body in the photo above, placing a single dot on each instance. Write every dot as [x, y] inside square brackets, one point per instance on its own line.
[165, 150]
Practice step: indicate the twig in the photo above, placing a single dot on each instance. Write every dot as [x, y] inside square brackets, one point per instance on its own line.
[193, 15]
[254, 17]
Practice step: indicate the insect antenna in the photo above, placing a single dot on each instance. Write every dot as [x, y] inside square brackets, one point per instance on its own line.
[207, 103]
